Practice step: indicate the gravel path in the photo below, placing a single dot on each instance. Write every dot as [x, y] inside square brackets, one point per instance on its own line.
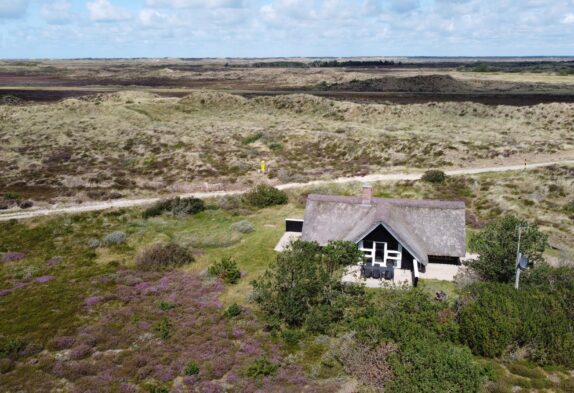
[93, 206]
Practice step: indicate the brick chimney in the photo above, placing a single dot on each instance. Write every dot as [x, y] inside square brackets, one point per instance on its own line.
[367, 194]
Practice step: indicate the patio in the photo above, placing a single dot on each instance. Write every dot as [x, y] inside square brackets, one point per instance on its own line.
[400, 277]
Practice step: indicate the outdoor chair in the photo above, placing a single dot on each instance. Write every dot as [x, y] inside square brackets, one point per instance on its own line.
[377, 272]
[367, 270]
[390, 273]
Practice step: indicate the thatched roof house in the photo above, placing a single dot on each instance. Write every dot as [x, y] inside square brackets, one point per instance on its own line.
[407, 234]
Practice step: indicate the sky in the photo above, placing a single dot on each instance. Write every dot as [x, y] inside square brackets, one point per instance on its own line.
[278, 28]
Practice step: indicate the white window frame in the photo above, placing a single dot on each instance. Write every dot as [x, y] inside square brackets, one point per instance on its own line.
[389, 255]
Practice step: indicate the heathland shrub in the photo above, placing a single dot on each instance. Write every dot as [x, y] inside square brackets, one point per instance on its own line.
[114, 238]
[9, 346]
[434, 176]
[261, 368]
[176, 206]
[191, 369]
[243, 226]
[264, 196]
[94, 243]
[490, 323]
[226, 269]
[233, 311]
[163, 257]
[494, 316]
[370, 365]
[429, 366]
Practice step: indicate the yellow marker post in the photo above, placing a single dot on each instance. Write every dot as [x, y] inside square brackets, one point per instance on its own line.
[262, 166]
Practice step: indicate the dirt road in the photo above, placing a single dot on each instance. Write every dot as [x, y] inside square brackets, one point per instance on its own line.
[86, 207]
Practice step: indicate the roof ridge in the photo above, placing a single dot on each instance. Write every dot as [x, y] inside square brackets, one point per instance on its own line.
[402, 202]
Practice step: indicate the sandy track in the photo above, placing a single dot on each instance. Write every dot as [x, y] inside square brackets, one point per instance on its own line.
[122, 203]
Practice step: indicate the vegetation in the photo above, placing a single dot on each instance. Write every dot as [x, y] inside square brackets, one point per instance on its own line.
[161, 256]
[176, 206]
[301, 288]
[99, 302]
[497, 245]
[226, 269]
[264, 196]
[261, 368]
[434, 176]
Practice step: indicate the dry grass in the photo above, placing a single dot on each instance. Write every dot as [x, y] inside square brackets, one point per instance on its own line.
[132, 141]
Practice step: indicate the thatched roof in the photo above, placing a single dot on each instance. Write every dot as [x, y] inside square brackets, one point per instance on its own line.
[423, 227]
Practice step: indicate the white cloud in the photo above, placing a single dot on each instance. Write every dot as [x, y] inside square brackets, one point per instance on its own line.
[154, 19]
[13, 9]
[568, 19]
[104, 11]
[57, 13]
[195, 3]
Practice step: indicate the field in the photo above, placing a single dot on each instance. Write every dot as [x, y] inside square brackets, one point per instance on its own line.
[105, 320]
[136, 143]
[80, 314]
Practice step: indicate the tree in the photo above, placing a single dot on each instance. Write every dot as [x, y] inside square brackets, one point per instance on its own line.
[497, 243]
[304, 282]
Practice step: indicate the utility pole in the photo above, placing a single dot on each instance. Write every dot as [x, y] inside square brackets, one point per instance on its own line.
[521, 262]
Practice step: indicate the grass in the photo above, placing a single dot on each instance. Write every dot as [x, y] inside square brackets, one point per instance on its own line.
[39, 312]
[219, 132]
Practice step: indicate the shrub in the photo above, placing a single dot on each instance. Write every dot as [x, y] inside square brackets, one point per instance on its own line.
[9, 347]
[11, 196]
[25, 204]
[252, 138]
[226, 269]
[291, 337]
[243, 226]
[525, 371]
[176, 206]
[12, 256]
[569, 207]
[435, 366]
[369, 365]
[154, 388]
[230, 202]
[191, 369]
[489, 324]
[94, 243]
[233, 311]
[166, 306]
[299, 288]
[434, 176]
[264, 196]
[163, 257]
[114, 238]
[496, 245]
[163, 328]
[261, 368]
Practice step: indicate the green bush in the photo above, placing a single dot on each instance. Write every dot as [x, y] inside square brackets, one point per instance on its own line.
[299, 286]
[434, 176]
[261, 368]
[176, 206]
[493, 316]
[161, 257]
[496, 244]
[435, 366]
[233, 311]
[191, 369]
[489, 324]
[163, 327]
[166, 306]
[291, 337]
[264, 196]
[226, 269]
[10, 346]
[252, 138]
[525, 371]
